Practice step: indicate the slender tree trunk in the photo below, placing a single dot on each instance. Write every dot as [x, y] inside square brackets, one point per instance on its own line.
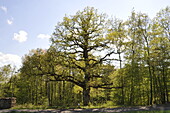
[166, 88]
[151, 82]
[36, 90]
[48, 93]
[51, 93]
[150, 72]
[165, 83]
[60, 92]
[63, 92]
[122, 80]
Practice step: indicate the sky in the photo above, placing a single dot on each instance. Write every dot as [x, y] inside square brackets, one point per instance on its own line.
[28, 24]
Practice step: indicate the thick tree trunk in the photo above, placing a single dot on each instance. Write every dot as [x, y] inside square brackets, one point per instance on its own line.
[86, 96]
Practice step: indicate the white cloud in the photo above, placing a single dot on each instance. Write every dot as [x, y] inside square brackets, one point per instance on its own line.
[12, 59]
[3, 8]
[43, 36]
[21, 36]
[10, 21]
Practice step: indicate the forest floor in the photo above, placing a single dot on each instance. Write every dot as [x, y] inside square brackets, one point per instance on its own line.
[97, 110]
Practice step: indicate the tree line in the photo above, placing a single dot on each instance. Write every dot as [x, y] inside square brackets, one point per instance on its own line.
[94, 59]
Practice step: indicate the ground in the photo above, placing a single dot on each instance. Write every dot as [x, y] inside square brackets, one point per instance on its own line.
[118, 109]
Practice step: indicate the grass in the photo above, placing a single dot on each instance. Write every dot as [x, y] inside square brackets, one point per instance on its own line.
[30, 106]
[107, 105]
[168, 111]
[137, 112]
[112, 112]
[19, 112]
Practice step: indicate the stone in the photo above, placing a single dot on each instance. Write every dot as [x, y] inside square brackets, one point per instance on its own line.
[7, 102]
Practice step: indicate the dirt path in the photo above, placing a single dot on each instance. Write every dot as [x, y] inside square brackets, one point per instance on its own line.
[119, 109]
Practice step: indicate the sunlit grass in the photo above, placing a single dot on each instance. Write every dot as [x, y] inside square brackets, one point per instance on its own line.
[109, 112]
[30, 106]
[20, 112]
[168, 111]
[106, 105]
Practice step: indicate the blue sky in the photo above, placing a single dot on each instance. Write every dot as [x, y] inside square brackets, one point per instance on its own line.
[28, 24]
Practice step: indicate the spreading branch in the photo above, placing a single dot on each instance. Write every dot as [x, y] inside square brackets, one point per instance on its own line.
[106, 86]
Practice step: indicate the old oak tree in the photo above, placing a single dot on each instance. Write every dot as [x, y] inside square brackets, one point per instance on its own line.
[83, 42]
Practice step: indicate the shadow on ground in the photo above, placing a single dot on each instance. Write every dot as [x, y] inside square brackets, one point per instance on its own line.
[118, 109]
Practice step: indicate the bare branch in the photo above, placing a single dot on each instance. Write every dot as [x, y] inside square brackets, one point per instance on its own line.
[103, 59]
[69, 79]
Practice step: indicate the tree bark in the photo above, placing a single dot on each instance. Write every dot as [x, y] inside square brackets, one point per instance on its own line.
[122, 79]
[86, 95]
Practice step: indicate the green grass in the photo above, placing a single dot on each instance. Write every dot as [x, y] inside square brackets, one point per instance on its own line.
[148, 112]
[29, 106]
[136, 112]
[168, 111]
[19, 112]
[110, 112]
[107, 105]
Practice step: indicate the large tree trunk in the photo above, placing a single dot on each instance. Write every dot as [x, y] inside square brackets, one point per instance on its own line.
[86, 96]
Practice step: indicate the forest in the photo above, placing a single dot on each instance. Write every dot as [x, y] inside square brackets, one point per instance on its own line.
[95, 59]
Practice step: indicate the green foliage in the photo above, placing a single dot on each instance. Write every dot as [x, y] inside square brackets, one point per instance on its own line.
[7, 81]
[80, 38]
[79, 67]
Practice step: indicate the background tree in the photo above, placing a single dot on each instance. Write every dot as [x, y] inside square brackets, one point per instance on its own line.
[118, 38]
[6, 72]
